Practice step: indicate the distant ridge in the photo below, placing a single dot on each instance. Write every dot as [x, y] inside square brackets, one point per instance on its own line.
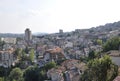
[101, 28]
[20, 34]
[108, 27]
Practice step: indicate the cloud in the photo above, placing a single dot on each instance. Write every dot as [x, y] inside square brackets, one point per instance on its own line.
[52, 15]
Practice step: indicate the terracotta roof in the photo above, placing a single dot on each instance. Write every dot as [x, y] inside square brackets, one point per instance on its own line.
[58, 70]
[54, 50]
[7, 51]
[69, 63]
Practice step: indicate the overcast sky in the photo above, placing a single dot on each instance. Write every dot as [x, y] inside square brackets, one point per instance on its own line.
[51, 15]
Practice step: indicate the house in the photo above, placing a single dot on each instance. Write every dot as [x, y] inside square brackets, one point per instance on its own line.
[70, 64]
[68, 44]
[96, 48]
[73, 64]
[86, 51]
[6, 58]
[7, 46]
[9, 40]
[73, 69]
[56, 74]
[54, 54]
[79, 54]
[40, 63]
[72, 75]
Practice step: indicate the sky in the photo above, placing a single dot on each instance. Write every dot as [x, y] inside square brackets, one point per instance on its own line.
[48, 16]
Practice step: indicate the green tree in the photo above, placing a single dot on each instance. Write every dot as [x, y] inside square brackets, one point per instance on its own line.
[112, 44]
[2, 71]
[50, 65]
[31, 56]
[101, 69]
[99, 42]
[34, 74]
[16, 75]
[18, 53]
[91, 55]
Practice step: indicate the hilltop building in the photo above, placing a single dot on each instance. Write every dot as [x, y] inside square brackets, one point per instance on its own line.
[28, 35]
[61, 31]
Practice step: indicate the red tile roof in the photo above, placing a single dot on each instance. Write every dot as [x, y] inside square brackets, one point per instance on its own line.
[55, 50]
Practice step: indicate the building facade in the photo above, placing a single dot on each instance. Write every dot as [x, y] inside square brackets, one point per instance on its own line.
[28, 35]
[6, 58]
[9, 40]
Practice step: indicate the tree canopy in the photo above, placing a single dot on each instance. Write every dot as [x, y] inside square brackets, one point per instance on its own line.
[16, 75]
[33, 73]
[112, 44]
[99, 42]
[31, 56]
[101, 69]
[50, 65]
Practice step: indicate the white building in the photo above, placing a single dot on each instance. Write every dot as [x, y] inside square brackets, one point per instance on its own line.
[6, 58]
[9, 40]
[69, 44]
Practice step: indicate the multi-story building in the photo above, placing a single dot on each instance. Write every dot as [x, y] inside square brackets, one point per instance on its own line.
[6, 58]
[54, 54]
[28, 35]
[61, 31]
[9, 40]
[56, 74]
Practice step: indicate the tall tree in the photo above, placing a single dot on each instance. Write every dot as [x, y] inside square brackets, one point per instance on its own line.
[34, 74]
[91, 55]
[112, 44]
[18, 53]
[100, 70]
[31, 56]
[16, 75]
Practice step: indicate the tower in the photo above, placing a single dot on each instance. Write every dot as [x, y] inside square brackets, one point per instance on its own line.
[60, 31]
[28, 35]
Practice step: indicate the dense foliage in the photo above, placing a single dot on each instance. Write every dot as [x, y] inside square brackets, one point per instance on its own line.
[34, 74]
[101, 69]
[2, 71]
[112, 44]
[31, 56]
[16, 75]
[50, 65]
[91, 55]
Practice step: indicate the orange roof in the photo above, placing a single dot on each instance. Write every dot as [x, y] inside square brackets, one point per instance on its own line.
[59, 69]
[7, 51]
[69, 63]
[54, 50]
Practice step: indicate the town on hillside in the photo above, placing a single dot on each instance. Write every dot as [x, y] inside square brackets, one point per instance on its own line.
[81, 55]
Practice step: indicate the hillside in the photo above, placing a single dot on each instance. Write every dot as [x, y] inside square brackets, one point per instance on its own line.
[107, 27]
